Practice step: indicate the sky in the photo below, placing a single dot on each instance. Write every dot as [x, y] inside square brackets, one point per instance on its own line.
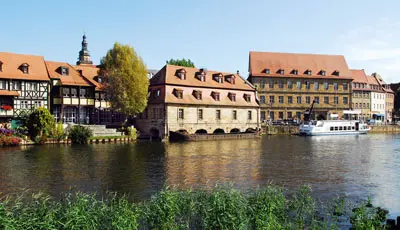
[214, 34]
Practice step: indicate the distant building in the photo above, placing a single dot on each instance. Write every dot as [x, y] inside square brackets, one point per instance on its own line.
[24, 84]
[361, 100]
[388, 93]
[288, 83]
[190, 100]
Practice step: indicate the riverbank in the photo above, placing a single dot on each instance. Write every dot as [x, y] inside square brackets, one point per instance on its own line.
[92, 140]
[294, 130]
[219, 208]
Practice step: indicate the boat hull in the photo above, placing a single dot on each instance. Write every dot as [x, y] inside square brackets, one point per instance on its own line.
[332, 133]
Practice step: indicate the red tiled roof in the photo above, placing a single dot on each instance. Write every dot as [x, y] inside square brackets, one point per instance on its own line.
[12, 62]
[73, 77]
[359, 75]
[259, 61]
[168, 75]
[90, 72]
[9, 93]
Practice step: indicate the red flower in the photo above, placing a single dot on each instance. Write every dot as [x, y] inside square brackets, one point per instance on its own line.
[6, 107]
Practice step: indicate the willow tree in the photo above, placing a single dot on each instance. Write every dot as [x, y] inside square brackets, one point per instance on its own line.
[126, 79]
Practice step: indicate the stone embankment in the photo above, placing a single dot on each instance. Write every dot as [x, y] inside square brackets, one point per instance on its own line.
[293, 130]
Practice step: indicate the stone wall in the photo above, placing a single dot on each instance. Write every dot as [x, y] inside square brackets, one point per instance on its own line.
[385, 129]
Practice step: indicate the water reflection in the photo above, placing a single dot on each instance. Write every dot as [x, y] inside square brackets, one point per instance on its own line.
[354, 166]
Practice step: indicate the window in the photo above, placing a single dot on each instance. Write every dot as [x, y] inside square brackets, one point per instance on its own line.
[218, 77]
[335, 100]
[290, 100]
[181, 74]
[336, 73]
[280, 115]
[24, 104]
[178, 93]
[271, 100]
[326, 85]
[262, 84]
[271, 84]
[326, 100]
[281, 71]
[289, 115]
[289, 84]
[247, 97]
[65, 92]
[323, 73]
[308, 100]
[180, 114]
[215, 95]
[364, 105]
[82, 93]
[295, 72]
[200, 114]
[2, 84]
[24, 68]
[280, 84]
[345, 86]
[74, 92]
[249, 115]
[308, 84]
[308, 72]
[232, 96]
[267, 71]
[16, 85]
[298, 115]
[262, 116]
[316, 100]
[218, 114]
[316, 85]
[346, 101]
[197, 94]
[158, 92]
[298, 99]
[272, 115]
[335, 86]
[37, 104]
[331, 128]
[367, 105]
[262, 99]
[160, 113]
[64, 71]
[234, 115]
[299, 84]
[280, 99]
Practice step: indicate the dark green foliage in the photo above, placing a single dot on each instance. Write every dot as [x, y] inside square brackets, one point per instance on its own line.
[219, 208]
[181, 62]
[79, 134]
[40, 124]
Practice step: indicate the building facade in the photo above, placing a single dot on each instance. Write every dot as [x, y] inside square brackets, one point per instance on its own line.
[190, 100]
[385, 89]
[24, 84]
[287, 84]
[361, 100]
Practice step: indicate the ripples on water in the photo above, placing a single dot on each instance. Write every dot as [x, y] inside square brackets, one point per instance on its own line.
[354, 166]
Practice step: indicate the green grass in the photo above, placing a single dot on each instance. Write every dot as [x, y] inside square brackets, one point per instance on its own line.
[222, 207]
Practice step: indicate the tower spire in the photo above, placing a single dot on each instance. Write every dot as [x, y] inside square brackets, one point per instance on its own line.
[84, 55]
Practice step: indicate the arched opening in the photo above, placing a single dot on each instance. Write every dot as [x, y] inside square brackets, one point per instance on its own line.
[183, 131]
[321, 117]
[219, 131]
[235, 130]
[154, 133]
[201, 131]
[250, 130]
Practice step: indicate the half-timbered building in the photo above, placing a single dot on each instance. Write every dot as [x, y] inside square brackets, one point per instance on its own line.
[24, 84]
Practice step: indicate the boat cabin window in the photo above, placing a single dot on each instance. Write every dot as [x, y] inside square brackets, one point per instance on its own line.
[336, 128]
[340, 128]
[349, 128]
[345, 128]
[352, 127]
[331, 128]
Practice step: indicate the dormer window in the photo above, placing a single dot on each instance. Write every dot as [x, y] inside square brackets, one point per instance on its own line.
[197, 94]
[295, 72]
[247, 97]
[158, 92]
[178, 93]
[99, 79]
[232, 96]
[230, 78]
[336, 73]
[323, 73]
[201, 75]
[281, 71]
[64, 70]
[215, 95]
[181, 74]
[266, 71]
[24, 68]
[308, 72]
[218, 77]
[1, 66]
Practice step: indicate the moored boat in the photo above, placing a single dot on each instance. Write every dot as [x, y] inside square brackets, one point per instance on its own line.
[333, 127]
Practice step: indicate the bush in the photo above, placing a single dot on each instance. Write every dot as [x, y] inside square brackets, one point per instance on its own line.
[79, 134]
[131, 132]
[59, 133]
[40, 123]
[9, 141]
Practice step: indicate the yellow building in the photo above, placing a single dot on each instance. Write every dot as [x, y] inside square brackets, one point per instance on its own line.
[361, 100]
[288, 83]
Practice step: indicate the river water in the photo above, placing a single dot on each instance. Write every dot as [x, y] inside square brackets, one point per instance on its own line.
[352, 166]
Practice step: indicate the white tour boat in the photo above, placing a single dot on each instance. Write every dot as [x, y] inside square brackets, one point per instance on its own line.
[350, 126]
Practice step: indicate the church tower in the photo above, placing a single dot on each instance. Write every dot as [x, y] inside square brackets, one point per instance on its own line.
[84, 55]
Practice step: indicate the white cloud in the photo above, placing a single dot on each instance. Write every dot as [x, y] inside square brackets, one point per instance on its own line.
[374, 48]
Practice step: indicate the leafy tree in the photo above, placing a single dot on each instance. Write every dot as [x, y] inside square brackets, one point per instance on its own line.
[126, 79]
[40, 124]
[181, 62]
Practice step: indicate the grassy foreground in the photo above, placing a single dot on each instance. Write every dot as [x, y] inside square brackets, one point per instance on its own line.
[219, 208]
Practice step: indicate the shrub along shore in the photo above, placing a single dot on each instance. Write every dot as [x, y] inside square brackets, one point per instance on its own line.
[222, 207]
